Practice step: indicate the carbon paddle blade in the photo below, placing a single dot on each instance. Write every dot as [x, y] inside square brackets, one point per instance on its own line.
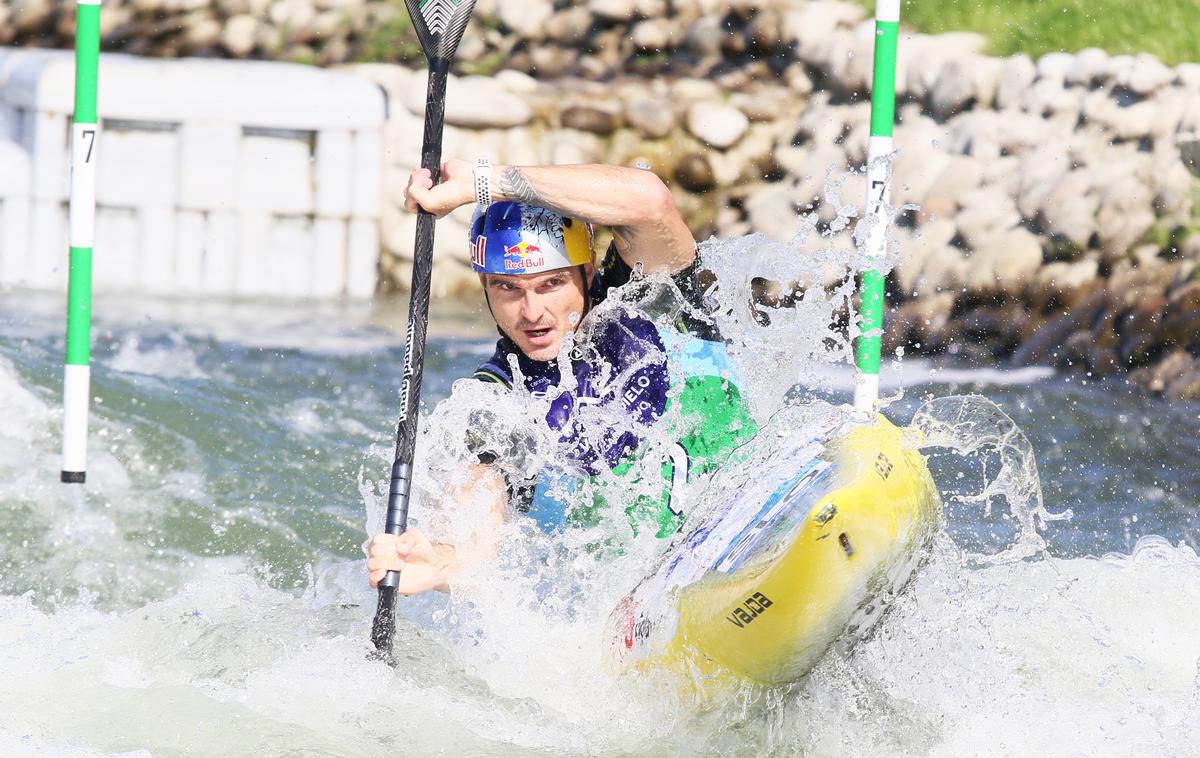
[440, 24]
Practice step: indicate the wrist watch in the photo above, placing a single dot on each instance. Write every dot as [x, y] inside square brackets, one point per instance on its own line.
[483, 183]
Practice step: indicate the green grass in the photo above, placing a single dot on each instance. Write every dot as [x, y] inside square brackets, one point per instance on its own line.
[391, 40]
[1170, 29]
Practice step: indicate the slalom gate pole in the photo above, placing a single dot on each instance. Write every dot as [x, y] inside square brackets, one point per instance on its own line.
[439, 25]
[85, 132]
[879, 185]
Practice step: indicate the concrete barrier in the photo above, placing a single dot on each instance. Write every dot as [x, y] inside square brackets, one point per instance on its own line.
[213, 177]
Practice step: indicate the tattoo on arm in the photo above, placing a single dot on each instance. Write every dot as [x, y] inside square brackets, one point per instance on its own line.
[517, 186]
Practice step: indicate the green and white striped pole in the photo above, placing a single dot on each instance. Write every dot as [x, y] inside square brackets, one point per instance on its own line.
[879, 185]
[85, 131]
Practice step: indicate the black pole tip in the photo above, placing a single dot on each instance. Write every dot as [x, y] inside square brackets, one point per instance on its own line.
[74, 477]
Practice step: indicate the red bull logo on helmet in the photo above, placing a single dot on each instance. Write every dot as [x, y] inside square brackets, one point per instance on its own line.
[526, 256]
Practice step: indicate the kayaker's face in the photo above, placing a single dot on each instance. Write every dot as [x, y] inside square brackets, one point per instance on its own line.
[537, 310]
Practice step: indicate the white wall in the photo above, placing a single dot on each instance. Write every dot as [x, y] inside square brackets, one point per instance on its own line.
[213, 177]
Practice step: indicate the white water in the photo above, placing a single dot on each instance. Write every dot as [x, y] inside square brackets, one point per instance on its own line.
[204, 596]
[170, 652]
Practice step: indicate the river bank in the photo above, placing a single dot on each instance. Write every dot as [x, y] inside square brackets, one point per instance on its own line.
[1047, 209]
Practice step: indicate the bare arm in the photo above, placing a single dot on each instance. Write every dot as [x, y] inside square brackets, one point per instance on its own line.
[634, 203]
[424, 565]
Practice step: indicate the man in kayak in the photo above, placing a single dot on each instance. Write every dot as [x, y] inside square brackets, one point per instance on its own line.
[621, 374]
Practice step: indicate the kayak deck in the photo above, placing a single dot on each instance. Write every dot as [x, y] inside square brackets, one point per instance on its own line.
[806, 551]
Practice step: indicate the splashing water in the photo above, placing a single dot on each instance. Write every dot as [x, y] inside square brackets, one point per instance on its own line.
[205, 593]
[974, 428]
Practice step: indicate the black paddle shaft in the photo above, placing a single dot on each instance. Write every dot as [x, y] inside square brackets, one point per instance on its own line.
[439, 25]
[384, 628]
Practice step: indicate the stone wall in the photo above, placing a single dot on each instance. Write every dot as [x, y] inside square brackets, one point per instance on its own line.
[1049, 205]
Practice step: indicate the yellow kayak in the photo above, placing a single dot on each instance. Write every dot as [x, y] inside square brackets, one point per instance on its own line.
[808, 550]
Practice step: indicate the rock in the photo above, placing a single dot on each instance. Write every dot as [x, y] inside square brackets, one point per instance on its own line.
[613, 10]
[653, 118]
[1147, 76]
[918, 271]
[986, 213]
[695, 174]
[516, 82]
[1125, 215]
[1172, 186]
[1189, 153]
[526, 18]
[1139, 345]
[810, 25]
[1054, 66]
[240, 35]
[399, 233]
[962, 83]
[472, 102]
[202, 35]
[686, 91]
[811, 164]
[762, 106]
[626, 10]
[569, 27]
[705, 37]
[327, 24]
[1046, 347]
[751, 160]
[1118, 70]
[1186, 387]
[31, 15]
[1068, 275]
[569, 146]
[916, 169]
[1047, 97]
[999, 327]
[985, 79]
[1181, 319]
[975, 134]
[1021, 132]
[293, 15]
[798, 80]
[1070, 208]
[847, 60]
[770, 211]
[1088, 67]
[1016, 76]
[1188, 75]
[717, 124]
[1171, 105]
[962, 175]
[1170, 369]
[233, 7]
[952, 90]
[766, 30]
[551, 61]
[1101, 360]
[922, 323]
[653, 35]
[821, 125]
[1039, 171]
[944, 270]
[589, 119]
[1132, 123]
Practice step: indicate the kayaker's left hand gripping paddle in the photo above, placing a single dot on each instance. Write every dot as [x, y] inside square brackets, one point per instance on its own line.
[439, 25]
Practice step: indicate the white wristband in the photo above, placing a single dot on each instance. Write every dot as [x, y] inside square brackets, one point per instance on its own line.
[483, 182]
